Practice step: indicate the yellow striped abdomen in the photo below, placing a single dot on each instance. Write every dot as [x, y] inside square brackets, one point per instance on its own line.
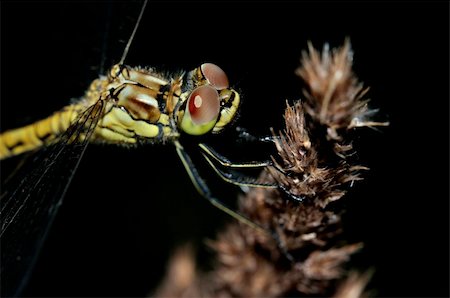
[37, 134]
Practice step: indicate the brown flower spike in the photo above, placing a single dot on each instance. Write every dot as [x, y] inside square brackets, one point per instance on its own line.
[313, 155]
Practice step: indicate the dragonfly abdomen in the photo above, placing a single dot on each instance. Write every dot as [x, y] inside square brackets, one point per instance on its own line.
[32, 136]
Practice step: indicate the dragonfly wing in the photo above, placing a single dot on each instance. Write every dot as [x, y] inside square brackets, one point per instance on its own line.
[31, 198]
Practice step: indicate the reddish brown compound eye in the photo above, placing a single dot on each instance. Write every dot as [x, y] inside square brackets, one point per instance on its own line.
[204, 105]
[215, 75]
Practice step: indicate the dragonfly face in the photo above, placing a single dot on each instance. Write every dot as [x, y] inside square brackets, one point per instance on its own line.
[211, 105]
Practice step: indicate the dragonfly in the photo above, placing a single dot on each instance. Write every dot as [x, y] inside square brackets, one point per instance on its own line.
[129, 106]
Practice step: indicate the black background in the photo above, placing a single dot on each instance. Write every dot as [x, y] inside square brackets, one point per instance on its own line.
[126, 210]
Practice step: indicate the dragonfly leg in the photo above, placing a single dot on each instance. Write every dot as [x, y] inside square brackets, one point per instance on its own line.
[245, 136]
[203, 189]
[290, 196]
[241, 180]
[227, 163]
[237, 179]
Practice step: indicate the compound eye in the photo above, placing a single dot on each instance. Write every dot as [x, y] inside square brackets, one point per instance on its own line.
[204, 105]
[215, 75]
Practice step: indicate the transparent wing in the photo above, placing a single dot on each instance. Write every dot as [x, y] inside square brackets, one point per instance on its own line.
[31, 198]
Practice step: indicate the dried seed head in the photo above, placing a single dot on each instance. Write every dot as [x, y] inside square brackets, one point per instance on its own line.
[354, 285]
[334, 97]
[300, 161]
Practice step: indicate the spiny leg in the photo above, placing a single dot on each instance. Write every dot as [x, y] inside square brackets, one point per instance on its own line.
[244, 135]
[203, 189]
[227, 163]
[242, 180]
[230, 164]
[235, 179]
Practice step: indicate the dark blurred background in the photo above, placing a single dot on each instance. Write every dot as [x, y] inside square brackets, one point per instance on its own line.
[127, 210]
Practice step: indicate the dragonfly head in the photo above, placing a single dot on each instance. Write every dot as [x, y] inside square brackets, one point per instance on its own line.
[209, 104]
